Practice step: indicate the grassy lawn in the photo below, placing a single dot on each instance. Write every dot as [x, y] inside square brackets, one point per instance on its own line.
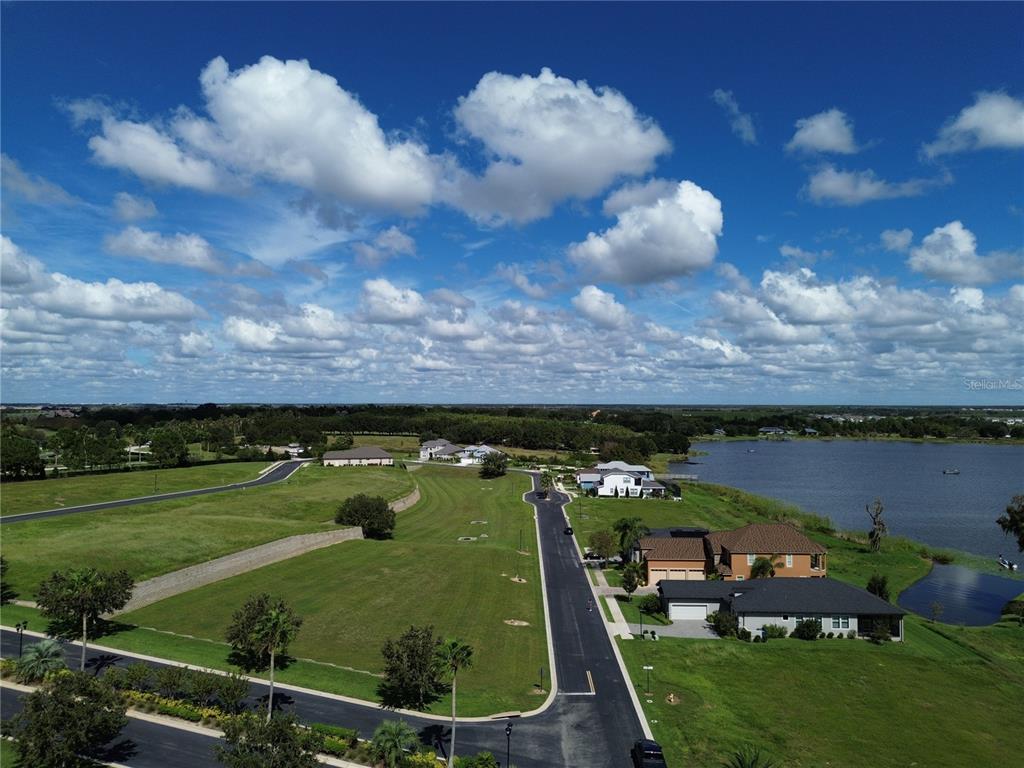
[35, 495]
[402, 446]
[718, 507]
[947, 697]
[8, 755]
[631, 610]
[151, 539]
[355, 595]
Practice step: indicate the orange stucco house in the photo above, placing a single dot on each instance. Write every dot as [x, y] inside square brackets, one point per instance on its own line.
[694, 554]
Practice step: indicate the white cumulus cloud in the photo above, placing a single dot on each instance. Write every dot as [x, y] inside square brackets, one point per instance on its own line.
[550, 140]
[131, 208]
[184, 250]
[950, 254]
[383, 302]
[828, 131]
[675, 234]
[600, 307]
[994, 121]
[897, 240]
[386, 245]
[830, 185]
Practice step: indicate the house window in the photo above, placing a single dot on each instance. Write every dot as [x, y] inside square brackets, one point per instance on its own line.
[840, 622]
[789, 561]
[785, 617]
[750, 559]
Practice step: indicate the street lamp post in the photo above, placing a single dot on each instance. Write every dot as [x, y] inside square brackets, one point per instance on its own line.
[648, 668]
[20, 628]
[508, 745]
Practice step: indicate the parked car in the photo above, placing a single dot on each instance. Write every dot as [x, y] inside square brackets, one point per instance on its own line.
[568, 530]
[591, 555]
[647, 754]
[542, 494]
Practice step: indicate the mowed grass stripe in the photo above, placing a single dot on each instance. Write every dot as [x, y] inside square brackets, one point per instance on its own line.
[846, 702]
[353, 596]
[152, 539]
[37, 495]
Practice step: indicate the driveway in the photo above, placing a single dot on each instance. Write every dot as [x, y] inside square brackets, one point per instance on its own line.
[696, 630]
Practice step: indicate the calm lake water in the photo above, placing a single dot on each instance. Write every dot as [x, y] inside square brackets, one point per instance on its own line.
[967, 597]
[837, 478]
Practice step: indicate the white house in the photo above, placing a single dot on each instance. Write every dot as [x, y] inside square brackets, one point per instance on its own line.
[441, 450]
[619, 479]
[638, 469]
[367, 456]
[475, 454]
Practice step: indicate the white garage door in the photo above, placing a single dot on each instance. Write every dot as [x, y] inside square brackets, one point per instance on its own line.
[685, 612]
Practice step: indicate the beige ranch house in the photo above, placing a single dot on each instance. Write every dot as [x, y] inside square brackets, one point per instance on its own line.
[368, 456]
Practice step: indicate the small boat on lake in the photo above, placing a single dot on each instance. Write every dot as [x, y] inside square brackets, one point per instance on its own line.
[951, 471]
[1007, 564]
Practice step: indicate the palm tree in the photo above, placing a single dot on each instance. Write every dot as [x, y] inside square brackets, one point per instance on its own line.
[454, 655]
[272, 634]
[39, 660]
[748, 757]
[764, 567]
[630, 530]
[391, 739]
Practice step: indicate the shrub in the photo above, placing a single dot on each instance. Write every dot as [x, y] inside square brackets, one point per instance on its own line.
[851, 635]
[200, 687]
[743, 634]
[7, 667]
[774, 632]
[371, 513]
[880, 633]
[943, 558]
[878, 585]
[231, 691]
[830, 635]
[421, 760]
[169, 681]
[138, 677]
[808, 629]
[347, 735]
[758, 639]
[821, 635]
[649, 604]
[725, 624]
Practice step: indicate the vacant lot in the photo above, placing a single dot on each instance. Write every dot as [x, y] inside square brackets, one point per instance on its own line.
[35, 495]
[401, 446]
[151, 539]
[946, 699]
[355, 595]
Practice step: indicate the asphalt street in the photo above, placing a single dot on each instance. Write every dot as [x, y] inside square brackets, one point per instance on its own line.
[591, 723]
[277, 474]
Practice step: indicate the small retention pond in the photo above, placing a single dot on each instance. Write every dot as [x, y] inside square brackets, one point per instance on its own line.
[966, 596]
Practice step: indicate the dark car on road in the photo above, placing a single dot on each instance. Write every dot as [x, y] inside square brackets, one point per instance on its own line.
[568, 530]
[647, 754]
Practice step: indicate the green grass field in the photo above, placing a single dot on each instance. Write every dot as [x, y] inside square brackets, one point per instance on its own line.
[944, 698]
[355, 595]
[151, 539]
[35, 495]
[402, 446]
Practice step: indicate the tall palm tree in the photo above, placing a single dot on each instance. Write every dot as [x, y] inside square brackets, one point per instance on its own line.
[454, 655]
[764, 567]
[630, 530]
[271, 635]
[39, 660]
[391, 739]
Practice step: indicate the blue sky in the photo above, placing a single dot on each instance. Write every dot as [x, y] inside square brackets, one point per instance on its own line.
[543, 203]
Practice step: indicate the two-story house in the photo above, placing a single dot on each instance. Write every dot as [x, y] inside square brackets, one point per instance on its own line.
[688, 554]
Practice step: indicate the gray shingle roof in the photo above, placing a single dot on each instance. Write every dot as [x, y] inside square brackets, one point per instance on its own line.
[365, 452]
[777, 596]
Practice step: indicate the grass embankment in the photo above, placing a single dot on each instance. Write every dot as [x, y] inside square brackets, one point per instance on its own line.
[355, 595]
[946, 697]
[151, 539]
[36, 495]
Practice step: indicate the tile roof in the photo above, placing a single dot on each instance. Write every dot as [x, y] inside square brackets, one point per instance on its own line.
[684, 548]
[765, 539]
[435, 443]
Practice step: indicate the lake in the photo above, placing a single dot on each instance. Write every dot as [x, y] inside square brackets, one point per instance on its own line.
[966, 596]
[837, 478]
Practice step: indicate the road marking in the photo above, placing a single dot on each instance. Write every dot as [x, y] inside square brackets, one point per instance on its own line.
[590, 680]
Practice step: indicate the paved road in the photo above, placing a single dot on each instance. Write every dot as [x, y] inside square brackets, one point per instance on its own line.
[142, 744]
[282, 472]
[591, 723]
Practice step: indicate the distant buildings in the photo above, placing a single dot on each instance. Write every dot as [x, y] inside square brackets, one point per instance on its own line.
[442, 450]
[365, 456]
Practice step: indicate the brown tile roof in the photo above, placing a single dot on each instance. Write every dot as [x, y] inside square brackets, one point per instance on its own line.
[765, 539]
[656, 548]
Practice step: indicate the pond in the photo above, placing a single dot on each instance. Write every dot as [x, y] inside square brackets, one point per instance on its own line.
[966, 596]
[838, 478]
